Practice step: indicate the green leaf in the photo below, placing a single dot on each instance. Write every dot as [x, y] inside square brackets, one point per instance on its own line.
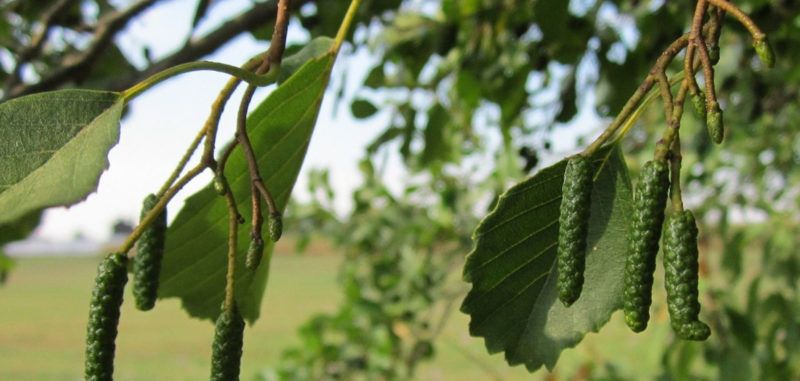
[362, 108]
[313, 49]
[54, 147]
[194, 264]
[513, 302]
[437, 137]
[19, 229]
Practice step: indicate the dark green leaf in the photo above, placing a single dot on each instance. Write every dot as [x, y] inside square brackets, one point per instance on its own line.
[20, 228]
[194, 264]
[437, 145]
[362, 108]
[53, 148]
[200, 12]
[742, 329]
[375, 78]
[513, 303]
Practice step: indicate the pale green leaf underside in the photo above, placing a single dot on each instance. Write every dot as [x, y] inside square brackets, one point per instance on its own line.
[513, 302]
[54, 147]
[280, 129]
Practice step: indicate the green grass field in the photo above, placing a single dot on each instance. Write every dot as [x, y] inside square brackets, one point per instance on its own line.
[43, 310]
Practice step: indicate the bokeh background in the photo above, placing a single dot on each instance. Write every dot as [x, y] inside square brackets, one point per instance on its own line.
[435, 108]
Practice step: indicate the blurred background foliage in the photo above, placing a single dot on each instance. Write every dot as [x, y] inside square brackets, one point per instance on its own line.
[481, 94]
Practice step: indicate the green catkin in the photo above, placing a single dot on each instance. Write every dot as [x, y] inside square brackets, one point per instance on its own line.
[649, 202]
[715, 124]
[219, 185]
[713, 54]
[104, 311]
[254, 253]
[227, 347]
[765, 52]
[699, 103]
[147, 262]
[680, 269]
[275, 227]
[573, 228]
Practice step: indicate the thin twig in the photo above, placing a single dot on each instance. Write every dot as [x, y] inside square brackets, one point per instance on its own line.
[630, 106]
[714, 27]
[260, 14]
[257, 218]
[666, 94]
[209, 131]
[182, 163]
[674, 123]
[159, 206]
[233, 231]
[212, 123]
[675, 159]
[708, 74]
[694, 35]
[743, 18]
[273, 57]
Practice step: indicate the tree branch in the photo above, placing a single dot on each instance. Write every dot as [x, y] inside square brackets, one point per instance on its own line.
[78, 66]
[260, 14]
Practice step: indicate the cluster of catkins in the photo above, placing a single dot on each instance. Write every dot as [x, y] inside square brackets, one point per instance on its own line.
[112, 275]
[679, 241]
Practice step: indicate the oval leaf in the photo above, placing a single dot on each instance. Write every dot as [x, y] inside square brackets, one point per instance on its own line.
[54, 147]
[513, 302]
[362, 108]
[195, 261]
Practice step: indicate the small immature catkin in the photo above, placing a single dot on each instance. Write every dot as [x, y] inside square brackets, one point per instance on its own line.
[219, 185]
[573, 228]
[104, 311]
[699, 103]
[254, 253]
[715, 124]
[147, 262]
[765, 52]
[226, 351]
[275, 227]
[649, 202]
[681, 274]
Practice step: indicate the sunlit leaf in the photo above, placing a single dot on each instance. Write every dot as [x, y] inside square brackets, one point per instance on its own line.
[54, 147]
[280, 128]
